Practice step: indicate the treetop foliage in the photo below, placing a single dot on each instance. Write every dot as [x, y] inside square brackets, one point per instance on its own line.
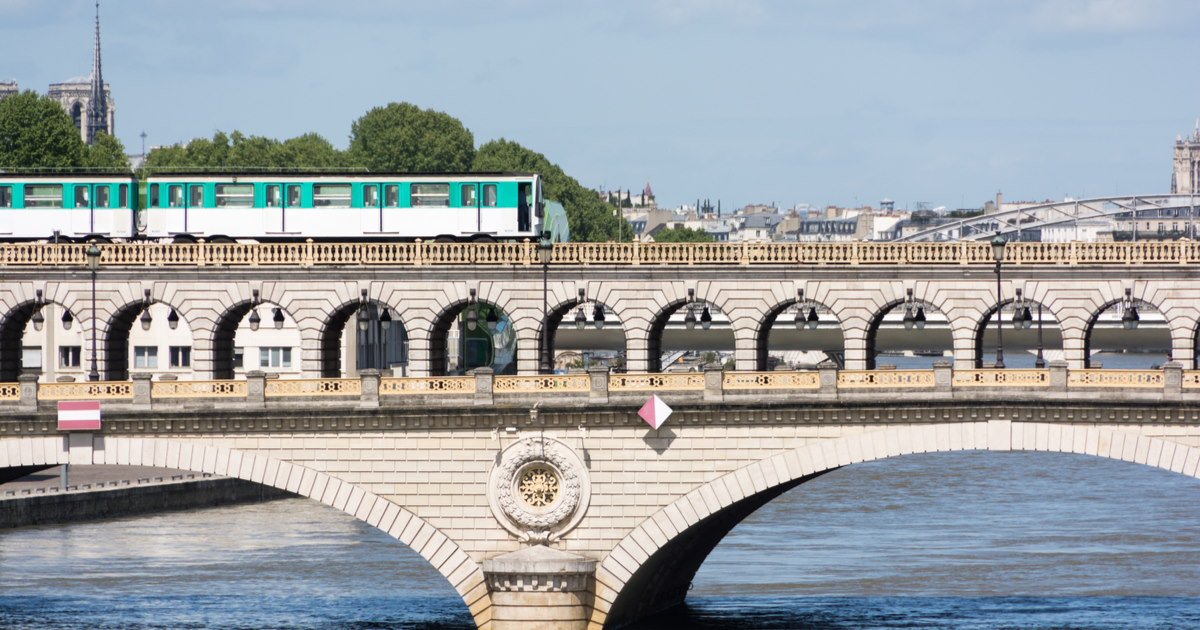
[682, 235]
[35, 132]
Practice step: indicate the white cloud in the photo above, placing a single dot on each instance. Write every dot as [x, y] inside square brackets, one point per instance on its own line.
[1106, 16]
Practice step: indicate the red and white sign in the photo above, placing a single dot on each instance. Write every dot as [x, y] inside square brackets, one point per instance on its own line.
[79, 415]
[655, 412]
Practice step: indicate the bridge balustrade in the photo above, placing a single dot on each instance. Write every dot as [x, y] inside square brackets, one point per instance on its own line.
[310, 254]
[598, 386]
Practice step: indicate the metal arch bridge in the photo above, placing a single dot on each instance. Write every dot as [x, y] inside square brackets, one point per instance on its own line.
[1052, 214]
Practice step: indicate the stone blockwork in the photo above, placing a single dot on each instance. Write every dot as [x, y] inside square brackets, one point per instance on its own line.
[636, 297]
[658, 500]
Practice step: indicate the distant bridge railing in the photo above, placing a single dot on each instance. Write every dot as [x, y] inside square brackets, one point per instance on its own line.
[418, 253]
[601, 387]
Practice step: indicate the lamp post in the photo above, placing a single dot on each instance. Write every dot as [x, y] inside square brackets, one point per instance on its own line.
[93, 264]
[1040, 361]
[998, 244]
[545, 249]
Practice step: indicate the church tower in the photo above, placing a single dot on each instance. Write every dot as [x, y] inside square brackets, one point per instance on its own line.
[97, 120]
[1185, 176]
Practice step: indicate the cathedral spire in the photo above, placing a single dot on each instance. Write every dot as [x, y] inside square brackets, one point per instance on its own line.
[97, 121]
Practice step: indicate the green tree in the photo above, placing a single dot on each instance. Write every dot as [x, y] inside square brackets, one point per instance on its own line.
[401, 137]
[590, 217]
[682, 235]
[35, 132]
[250, 152]
[311, 151]
[106, 152]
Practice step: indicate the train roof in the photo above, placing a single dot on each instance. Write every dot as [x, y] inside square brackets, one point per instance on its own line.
[330, 173]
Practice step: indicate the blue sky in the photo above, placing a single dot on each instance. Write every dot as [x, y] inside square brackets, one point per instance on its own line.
[745, 101]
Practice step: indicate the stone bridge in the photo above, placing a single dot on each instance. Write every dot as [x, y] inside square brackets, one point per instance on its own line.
[546, 502]
[858, 289]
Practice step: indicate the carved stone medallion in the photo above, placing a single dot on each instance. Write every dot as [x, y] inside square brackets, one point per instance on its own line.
[539, 489]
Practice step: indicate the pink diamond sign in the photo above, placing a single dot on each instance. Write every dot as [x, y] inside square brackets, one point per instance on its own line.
[655, 412]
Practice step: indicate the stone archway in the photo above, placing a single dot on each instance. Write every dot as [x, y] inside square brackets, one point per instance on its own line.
[333, 332]
[270, 315]
[1148, 328]
[439, 354]
[805, 324]
[930, 340]
[1017, 340]
[650, 568]
[700, 308]
[547, 336]
[445, 555]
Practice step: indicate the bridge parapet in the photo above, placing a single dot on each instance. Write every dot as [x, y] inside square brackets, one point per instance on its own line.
[418, 253]
[1170, 383]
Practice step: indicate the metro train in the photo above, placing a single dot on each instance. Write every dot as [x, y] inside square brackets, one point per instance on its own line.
[262, 206]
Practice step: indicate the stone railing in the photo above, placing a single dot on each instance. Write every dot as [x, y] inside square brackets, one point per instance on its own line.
[599, 386]
[418, 253]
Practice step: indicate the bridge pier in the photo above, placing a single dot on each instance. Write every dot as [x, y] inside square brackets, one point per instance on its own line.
[539, 587]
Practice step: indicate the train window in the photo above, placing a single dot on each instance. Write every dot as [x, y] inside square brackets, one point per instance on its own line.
[391, 195]
[123, 196]
[5, 196]
[102, 195]
[468, 196]
[43, 195]
[81, 196]
[430, 194]
[489, 195]
[153, 195]
[175, 196]
[370, 195]
[274, 197]
[325, 195]
[293, 199]
[196, 196]
[235, 195]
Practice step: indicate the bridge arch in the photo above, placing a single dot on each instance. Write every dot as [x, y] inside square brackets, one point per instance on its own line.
[650, 569]
[699, 304]
[762, 337]
[17, 319]
[936, 341]
[225, 329]
[117, 333]
[1161, 336]
[439, 332]
[547, 335]
[333, 330]
[1052, 333]
[445, 555]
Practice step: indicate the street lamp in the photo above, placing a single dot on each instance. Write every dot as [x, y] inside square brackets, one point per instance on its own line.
[689, 320]
[173, 320]
[998, 244]
[580, 319]
[1130, 318]
[277, 318]
[598, 316]
[545, 251]
[1040, 361]
[705, 319]
[799, 320]
[385, 319]
[93, 265]
[67, 319]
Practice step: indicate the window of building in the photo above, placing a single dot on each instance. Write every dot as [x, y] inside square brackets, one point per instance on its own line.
[175, 196]
[391, 196]
[68, 356]
[5, 196]
[275, 357]
[81, 197]
[145, 357]
[239, 357]
[196, 196]
[181, 356]
[430, 194]
[274, 196]
[31, 357]
[293, 195]
[235, 195]
[371, 196]
[489, 195]
[467, 199]
[326, 195]
[43, 195]
[102, 195]
[123, 196]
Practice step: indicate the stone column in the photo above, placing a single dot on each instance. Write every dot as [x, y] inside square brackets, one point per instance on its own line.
[484, 379]
[1173, 381]
[714, 384]
[29, 391]
[598, 376]
[370, 388]
[540, 587]
[1058, 376]
[943, 376]
[141, 388]
[827, 372]
[256, 388]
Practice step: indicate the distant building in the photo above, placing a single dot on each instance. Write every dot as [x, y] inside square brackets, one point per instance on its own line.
[8, 88]
[1185, 176]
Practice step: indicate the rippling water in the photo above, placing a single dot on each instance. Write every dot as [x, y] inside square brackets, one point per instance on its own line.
[943, 540]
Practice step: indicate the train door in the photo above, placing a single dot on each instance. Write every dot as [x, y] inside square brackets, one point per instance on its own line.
[470, 215]
[83, 216]
[371, 219]
[194, 199]
[273, 208]
[524, 204]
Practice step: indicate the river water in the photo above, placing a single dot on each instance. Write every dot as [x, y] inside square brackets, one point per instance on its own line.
[950, 540]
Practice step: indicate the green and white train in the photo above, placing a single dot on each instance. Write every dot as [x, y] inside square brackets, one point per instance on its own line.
[278, 206]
